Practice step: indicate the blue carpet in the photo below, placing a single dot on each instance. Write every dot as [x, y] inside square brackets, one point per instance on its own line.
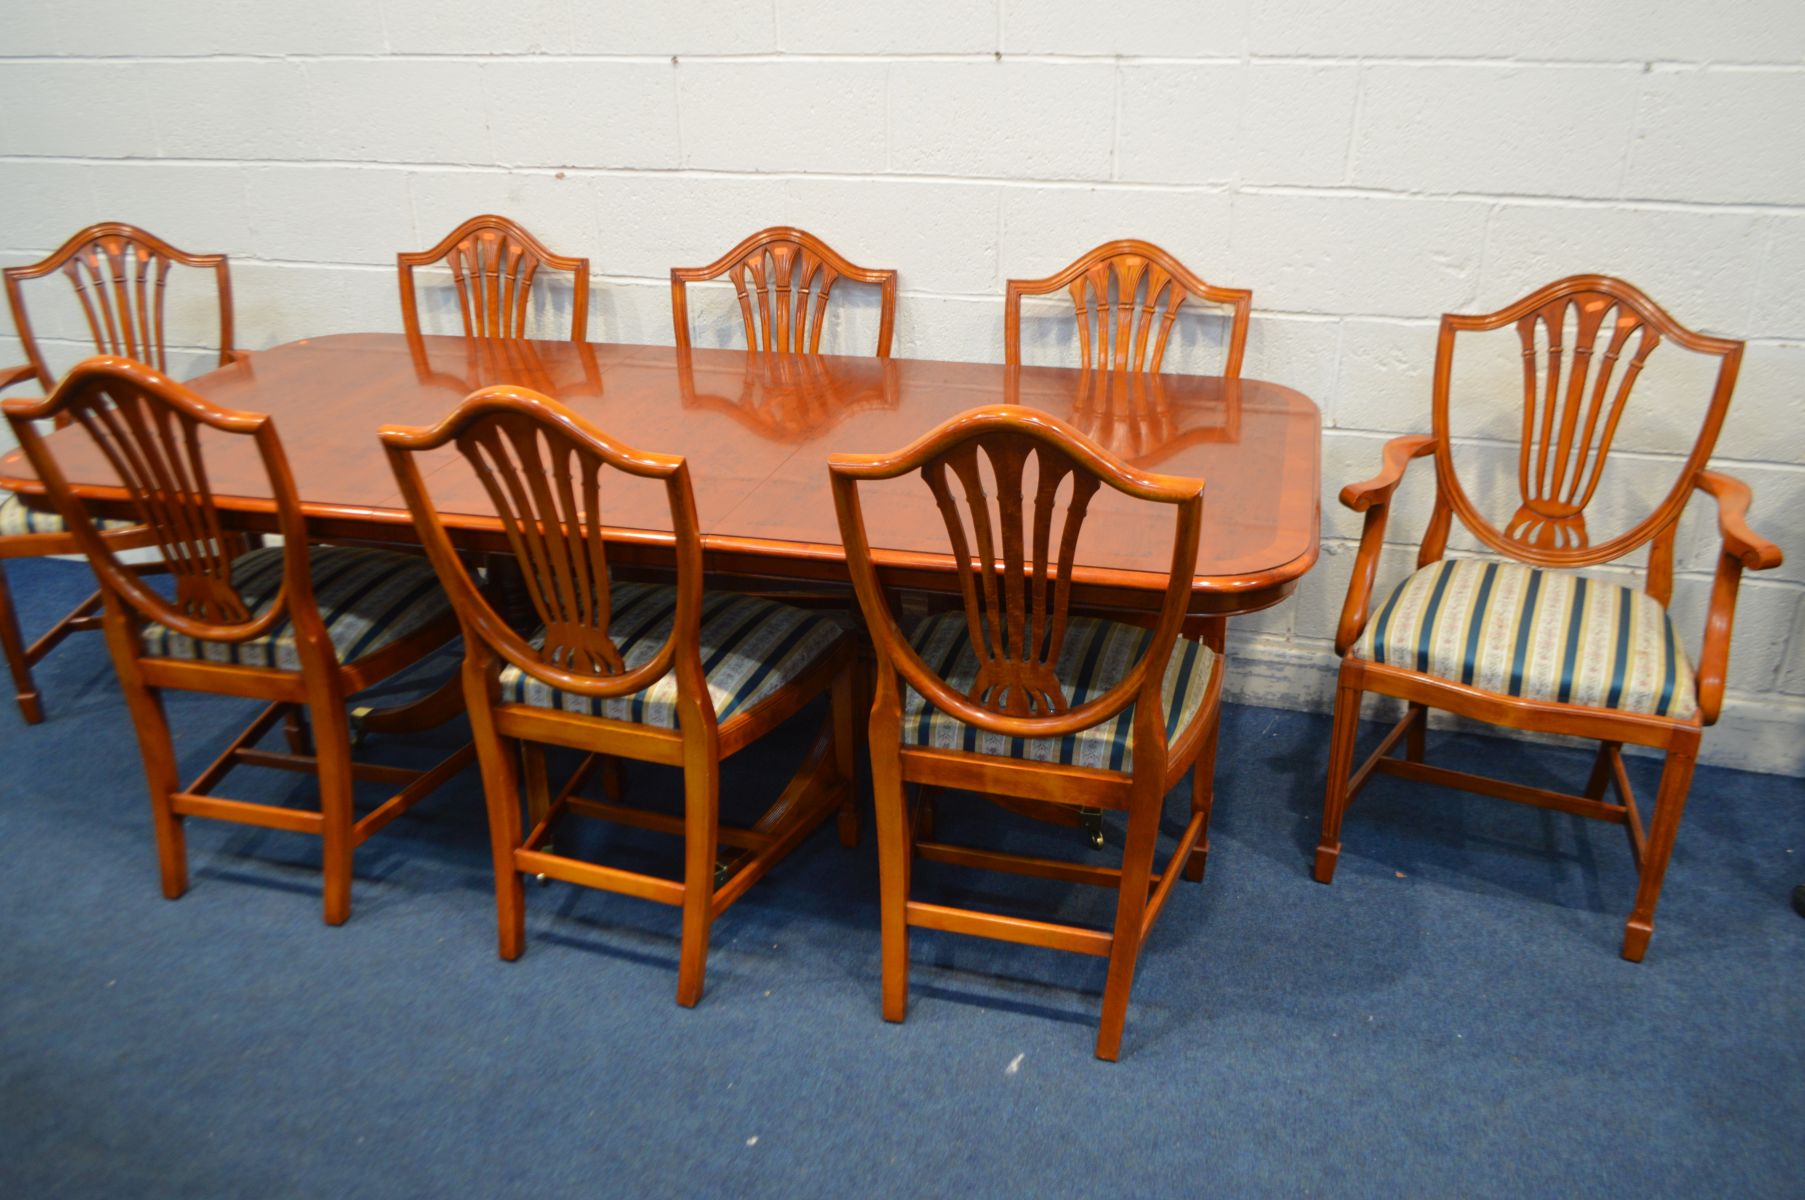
[1450, 1017]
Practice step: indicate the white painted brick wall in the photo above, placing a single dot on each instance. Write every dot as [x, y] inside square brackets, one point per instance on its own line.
[1363, 167]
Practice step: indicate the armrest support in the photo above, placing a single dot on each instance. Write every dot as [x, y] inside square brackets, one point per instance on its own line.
[1741, 549]
[1373, 497]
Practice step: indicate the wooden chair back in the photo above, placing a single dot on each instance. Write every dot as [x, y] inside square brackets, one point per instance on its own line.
[1115, 330]
[120, 275]
[1574, 398]
[150, 430]
[494, 263]
[775, 272]
[542, 466]
[1015, 572]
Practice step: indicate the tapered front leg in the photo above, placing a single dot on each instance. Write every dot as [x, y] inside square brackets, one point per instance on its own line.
[332, 763]
[1670, 802]
[701, 821]
[1335, 797]
[893, 854]
[12, 642]
[1131, 908]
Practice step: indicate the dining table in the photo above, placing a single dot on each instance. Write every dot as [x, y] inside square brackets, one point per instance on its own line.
[757, 428]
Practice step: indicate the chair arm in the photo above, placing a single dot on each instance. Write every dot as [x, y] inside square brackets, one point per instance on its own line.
[229, 358]
[1373, 497]
[1733, 496]
[1741, 549]
[1377, 490]
[13, 376]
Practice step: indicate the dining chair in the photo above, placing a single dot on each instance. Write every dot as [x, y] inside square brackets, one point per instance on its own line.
[494, 264]
[786, 266]
[1521, 641]
[301, 627]
[668, 674]
[119, 274]
[1013, 695]
[1114, 327]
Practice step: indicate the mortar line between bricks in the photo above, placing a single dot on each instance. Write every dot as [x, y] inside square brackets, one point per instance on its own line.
[1221, 188]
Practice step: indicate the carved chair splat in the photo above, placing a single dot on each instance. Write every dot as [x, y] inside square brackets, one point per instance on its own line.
[119, 274]
[1585, 341]
[494, 264]
[298, 626]
[584, 683]
[1126, 295]
[1143, 723]
[776, 273]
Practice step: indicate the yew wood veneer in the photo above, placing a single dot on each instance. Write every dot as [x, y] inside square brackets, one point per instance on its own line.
[756, 430]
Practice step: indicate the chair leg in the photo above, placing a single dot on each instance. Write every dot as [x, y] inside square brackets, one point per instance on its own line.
[1203, 797]
[158, 750]
[294, 729]
[1131, 908]
[1670, 801]
[332, 764]
[1335, 795]
[844, 700]
[701, 834]
[894, 851]
[501, 795]
[1601, 771]
[12, 641]
[1417, 734]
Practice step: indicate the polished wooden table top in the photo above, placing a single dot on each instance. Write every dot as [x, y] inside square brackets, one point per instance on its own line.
[757, 430]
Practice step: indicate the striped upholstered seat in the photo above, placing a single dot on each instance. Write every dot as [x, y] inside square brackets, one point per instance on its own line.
[750, 646]
[16, 519]
[368, 598]
[1094, 658]
[1542, 635]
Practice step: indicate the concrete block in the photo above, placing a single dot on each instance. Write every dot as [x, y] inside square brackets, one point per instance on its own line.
[806, 116]
[928, 27]
[1713, 135]
[1235, 123]
[1158, 27]
[1507, 130]
[585, 114]
[330, 214]
[1357, 255]
[1013, 120]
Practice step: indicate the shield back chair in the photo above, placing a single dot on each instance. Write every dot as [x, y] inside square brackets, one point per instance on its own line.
[775, 273]
[1011, 694]
[119, 274]
[299, 626]
[1126, 295]
[1524, 643]
[663, 674]
[494, 264]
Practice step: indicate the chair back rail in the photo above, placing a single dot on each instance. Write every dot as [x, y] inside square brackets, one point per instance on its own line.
[1149, 286]
[542, 466]
[494, 262]
[1015, 571]
[120, 275]
[149, 429]
[775, 274]
[1575, 394]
